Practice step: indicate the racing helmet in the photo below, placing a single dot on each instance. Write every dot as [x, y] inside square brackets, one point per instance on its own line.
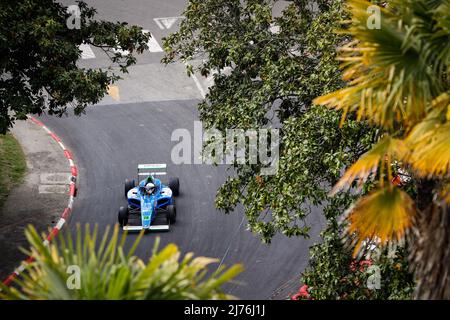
[149, 188]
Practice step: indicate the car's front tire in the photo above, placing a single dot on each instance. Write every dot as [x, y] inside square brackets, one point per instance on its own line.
[129, 184]
[123, 216]
[174, 185]
[171, 214]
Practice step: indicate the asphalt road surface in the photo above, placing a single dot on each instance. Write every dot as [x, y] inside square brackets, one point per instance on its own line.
[113, 137]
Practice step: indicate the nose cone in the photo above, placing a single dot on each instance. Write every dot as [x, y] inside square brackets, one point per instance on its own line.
[146, 217]
[146, 211]
[146, 221]
[146, 224]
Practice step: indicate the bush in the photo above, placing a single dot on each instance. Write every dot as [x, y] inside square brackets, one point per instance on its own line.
[106, 271]
[334, 274]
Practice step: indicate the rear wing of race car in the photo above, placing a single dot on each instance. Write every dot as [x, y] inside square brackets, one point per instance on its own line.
[151, 228]
[158, 169]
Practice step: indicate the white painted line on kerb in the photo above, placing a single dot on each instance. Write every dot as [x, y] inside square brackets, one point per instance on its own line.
[153, 45]
[46, 129]
[70, 205]
[86, 51]
[20, 269]
[62, 146]
[60, 223]
[65, 214]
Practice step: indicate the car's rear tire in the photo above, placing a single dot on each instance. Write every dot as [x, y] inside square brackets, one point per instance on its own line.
[129, 184]
[123, 216]
[171, 214]
[174, 185]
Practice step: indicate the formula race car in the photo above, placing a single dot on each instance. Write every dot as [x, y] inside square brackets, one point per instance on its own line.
[151, 205]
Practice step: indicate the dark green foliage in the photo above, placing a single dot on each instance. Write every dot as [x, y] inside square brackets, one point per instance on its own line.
[39, 52]
[269, 80]
[334, 274]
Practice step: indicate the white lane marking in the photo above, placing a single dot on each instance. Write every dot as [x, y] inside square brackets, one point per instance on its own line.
[55, 178]
[209, 81]
[86, 51]
[55, 182]
[160, 25]
[198, 84]
[231, 241]
[153, 45]
[52, 188]
[122, 52]
[166, 22]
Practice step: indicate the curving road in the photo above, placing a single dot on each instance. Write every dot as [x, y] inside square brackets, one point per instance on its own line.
[114, 136]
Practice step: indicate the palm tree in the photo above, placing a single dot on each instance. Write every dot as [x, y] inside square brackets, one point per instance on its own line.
[398, 80]
[90, 269]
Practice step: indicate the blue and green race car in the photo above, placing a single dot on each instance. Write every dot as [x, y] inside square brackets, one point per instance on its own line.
[151, 204]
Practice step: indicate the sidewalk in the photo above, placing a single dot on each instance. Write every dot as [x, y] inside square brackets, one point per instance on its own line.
[39, 200]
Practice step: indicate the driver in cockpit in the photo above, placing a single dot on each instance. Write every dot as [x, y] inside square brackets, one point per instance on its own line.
[150, 188]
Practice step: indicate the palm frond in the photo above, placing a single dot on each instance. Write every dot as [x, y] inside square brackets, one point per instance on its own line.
[385, 215]
[385, 151]
[430, 154]
[394, 72]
